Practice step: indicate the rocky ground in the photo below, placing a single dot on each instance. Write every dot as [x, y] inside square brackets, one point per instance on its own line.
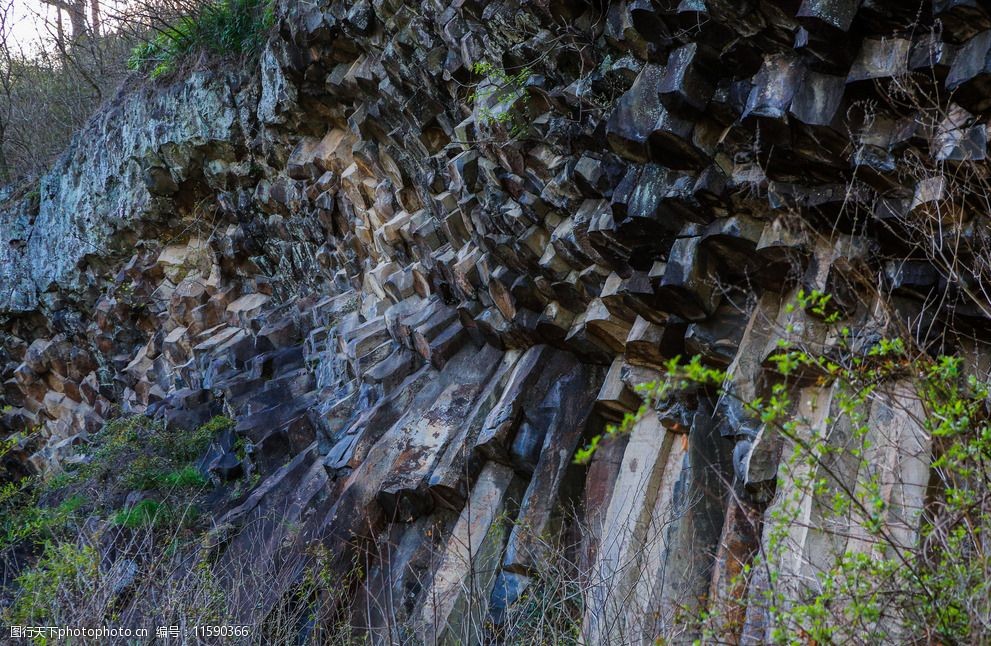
[421, 253]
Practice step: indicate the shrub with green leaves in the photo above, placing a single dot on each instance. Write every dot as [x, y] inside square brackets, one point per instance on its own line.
[222, 28]
[129, 454]
[501, 99]
[64, 572]
[882, 575]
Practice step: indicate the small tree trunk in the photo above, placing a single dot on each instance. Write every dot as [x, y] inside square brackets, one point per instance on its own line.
[59, 29]
[77, 16]
[4, 167]
[95, 14]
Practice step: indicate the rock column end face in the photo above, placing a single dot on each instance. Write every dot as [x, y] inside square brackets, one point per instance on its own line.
[420, 256]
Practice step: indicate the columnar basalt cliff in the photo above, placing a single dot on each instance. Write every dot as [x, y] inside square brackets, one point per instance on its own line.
[422, 253]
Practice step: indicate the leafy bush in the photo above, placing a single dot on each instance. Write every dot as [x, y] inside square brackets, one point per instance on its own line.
[64, 571]
[192, 445]
[887, 573]
[501, 99]
[224, 28]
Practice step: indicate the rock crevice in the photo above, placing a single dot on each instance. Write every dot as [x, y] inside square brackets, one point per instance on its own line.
[418, 295]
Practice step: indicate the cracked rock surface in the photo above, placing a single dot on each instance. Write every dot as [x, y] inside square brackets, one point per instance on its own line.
[419, 289]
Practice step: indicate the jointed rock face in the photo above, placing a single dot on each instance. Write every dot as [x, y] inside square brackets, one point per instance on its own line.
[419, 284]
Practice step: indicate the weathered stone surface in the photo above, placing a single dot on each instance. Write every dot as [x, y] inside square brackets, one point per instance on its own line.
[185, 127]
[625, 530]
[564, 412]
[418, 288]
[473, 543]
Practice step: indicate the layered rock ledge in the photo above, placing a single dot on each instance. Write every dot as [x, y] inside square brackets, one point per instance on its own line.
[419, 284]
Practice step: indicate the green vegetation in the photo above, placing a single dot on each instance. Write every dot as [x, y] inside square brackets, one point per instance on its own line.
[36, 523]
[152, 513]
[501, 99]
[62, 572]
[135, 453]
[875, 583]
[147, 512]
[162, 561]
[188, 477]
[129, 454]
[223, 28]
[194, 444]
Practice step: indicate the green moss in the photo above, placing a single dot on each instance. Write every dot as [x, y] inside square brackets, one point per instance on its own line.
[241, 449]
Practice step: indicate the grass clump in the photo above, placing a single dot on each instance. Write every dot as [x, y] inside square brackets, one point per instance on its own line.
[146, 513]
[222, 28]
[149, 472]
[187, 477]
[193, 444]
[152, 513]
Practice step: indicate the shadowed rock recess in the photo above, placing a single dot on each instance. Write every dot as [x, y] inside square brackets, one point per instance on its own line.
[418, 284]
